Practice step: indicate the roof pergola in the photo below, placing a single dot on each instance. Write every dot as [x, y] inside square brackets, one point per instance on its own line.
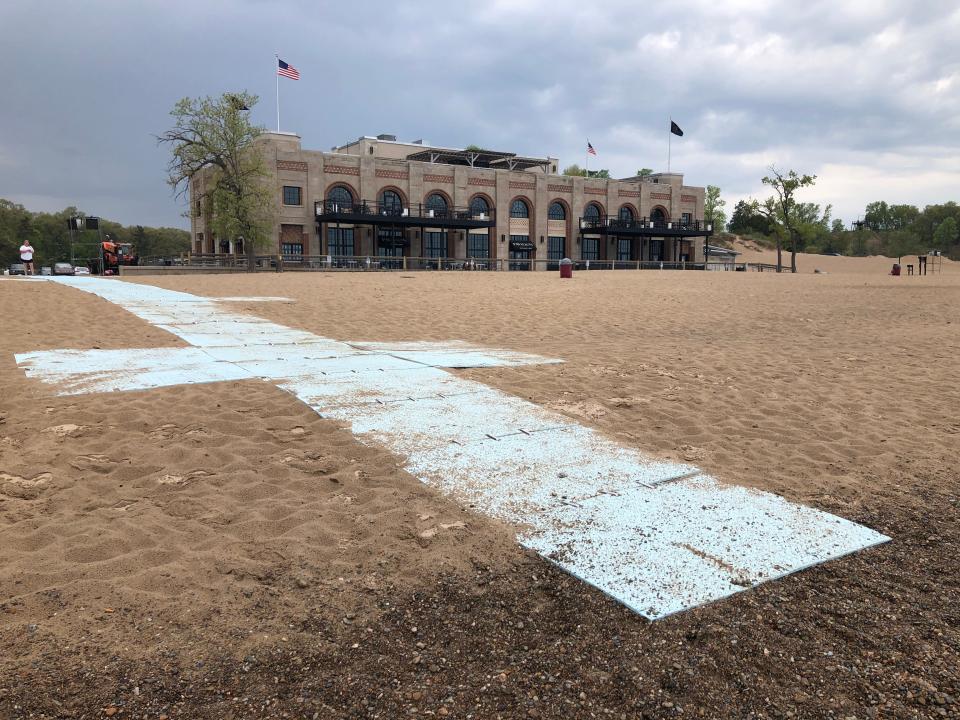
[479, 158]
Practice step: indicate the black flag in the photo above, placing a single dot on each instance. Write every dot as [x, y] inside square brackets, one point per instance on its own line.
[675, 129]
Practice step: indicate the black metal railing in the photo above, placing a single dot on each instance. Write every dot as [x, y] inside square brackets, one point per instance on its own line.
[399, 212]
[645, 226]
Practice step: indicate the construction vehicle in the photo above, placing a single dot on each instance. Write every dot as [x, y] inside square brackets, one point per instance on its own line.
[112, 256]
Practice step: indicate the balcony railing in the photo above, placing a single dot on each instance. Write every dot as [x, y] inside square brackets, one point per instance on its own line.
[418, 214]
[644, 226]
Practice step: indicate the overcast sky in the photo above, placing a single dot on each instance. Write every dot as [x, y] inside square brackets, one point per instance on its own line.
[864, 94]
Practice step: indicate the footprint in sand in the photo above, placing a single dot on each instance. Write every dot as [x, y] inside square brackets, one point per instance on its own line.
[23, 482]
[65, 430]
[183, 479]
[97, 463]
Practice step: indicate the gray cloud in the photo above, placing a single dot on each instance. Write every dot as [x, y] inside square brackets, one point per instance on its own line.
[864, 94]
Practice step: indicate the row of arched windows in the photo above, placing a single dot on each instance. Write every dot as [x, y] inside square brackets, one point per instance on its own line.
[391, 200]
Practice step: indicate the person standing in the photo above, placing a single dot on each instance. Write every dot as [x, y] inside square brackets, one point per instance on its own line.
[26, 256]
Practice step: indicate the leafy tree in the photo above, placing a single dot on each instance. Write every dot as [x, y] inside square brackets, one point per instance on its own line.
[781, 210]
[837, 227]
[746, 220]
[946, 234]
[214, 137]
[901, 242]
[576, 171]
[644, 172]
[713, 206]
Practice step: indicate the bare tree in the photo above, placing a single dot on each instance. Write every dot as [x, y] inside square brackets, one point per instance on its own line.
[212, 139]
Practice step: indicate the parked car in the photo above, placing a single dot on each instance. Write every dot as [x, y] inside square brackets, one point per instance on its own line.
[63, 268]
[18, 269]
[46, 270]
[81, 270]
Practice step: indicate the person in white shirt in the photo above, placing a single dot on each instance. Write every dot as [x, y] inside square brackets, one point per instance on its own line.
[26, 256]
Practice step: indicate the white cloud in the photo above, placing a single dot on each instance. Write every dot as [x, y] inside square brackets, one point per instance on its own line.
[862, 93]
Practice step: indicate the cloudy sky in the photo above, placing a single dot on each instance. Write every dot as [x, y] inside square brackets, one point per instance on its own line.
[865, 94]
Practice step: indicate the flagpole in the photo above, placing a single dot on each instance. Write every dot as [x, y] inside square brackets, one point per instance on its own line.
[586, 160]
[669, 140]
[275, 66]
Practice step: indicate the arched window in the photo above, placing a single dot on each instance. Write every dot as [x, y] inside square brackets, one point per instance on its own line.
[557, 211]
[519, 209]
[479, 206]
[591, 212]
[340, 196]
[437, 203]
[626, 214]
[390, 202]
[658, 216]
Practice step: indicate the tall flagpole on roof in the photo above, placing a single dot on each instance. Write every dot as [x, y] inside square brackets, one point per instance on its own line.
[669, 139]
[276, 67]
[586, 158]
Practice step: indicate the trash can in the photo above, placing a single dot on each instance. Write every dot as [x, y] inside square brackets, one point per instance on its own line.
[896, 269]
[566, 268]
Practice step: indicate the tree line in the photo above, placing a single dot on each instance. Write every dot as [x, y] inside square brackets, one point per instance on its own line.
[886, 229]
[50, 236]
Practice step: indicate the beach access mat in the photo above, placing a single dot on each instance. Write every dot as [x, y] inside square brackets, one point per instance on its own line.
[658, 536]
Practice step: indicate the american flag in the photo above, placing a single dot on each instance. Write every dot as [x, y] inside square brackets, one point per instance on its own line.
[287, 70]
[590, 148]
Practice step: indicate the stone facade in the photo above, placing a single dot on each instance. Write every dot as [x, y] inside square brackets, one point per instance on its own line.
[370, 166]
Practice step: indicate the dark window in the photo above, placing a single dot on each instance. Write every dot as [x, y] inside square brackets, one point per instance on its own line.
[656, 250]
[686, 219]
[435, 244]
[199, 209]
[658, 215]
[288, 249]
[340, 241]
[555, 247]
[479, 206]
[291, 195]
[623, 249]
[437, 203]
[626, 214]
[517, 251]
[591, 249]
[557, 212]
[478, 246]
[390, 203]
[592, 212]
[390, 244]
[519, 209]
[340, 196]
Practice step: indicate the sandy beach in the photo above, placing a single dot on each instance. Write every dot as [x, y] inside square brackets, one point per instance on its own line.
[219, 550]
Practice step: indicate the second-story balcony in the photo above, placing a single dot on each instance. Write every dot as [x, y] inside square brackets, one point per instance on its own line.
[419, 215]
[613, 224]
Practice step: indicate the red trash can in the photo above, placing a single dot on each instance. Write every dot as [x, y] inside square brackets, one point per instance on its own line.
[566, 268]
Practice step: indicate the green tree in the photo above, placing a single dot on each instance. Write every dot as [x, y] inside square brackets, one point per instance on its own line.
[746, 220]
[576, 170]
[945, 236]
[781, 210]
[713, 206]
[644, 172]
[214, 137]
[837, 227]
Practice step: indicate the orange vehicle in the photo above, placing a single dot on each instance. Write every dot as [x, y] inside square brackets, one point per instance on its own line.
[112, 256]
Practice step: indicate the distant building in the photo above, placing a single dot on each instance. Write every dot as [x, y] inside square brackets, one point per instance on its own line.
[720, 258]
[380, 198]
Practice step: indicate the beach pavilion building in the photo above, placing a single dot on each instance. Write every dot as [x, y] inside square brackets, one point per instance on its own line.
[409, 204]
